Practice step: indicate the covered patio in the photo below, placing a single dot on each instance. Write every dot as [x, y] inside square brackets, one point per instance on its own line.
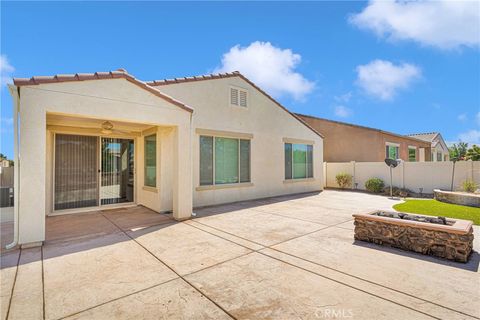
[285, 257]
[92, 145]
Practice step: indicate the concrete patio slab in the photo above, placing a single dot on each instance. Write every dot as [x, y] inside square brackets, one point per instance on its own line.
[77, 226]
[450, 284]
[82, 274]
[397, 297]
[137, 217]
[9, 262]
[245, 261]
[6, 229]
[193, 249]
[261, 228]
[227, 236]
[172, 300]
[27, 298]
[259, 287]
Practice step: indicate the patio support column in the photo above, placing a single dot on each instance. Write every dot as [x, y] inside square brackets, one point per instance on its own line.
[32, 170]
[182, 191]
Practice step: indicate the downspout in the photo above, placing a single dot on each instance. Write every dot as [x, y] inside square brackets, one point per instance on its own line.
[16, 164]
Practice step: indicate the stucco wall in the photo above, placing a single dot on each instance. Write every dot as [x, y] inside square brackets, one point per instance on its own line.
[345, 142]
[410, 175]
[115, 100]
[268, 123]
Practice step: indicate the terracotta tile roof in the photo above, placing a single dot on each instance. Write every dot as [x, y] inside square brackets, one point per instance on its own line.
[229, 75]
[194, 78]
[118, 74]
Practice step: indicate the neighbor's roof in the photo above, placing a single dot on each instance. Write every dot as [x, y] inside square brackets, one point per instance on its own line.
[363, 127]
[229, 75]
[428, 136]
[118, 74]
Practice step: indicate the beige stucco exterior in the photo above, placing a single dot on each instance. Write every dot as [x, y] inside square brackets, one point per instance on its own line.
[345, 142]
[77, 107]
[267, 123]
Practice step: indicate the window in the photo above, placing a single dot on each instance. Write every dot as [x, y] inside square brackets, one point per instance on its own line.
[412, 154]
[298, 161]
[150, 155]
[224, 160]
[238, 97]
[391, 152]
[439, 156]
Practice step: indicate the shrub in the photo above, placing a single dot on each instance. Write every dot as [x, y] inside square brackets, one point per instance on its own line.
[344, 180]
[469, 186]
[375, 185]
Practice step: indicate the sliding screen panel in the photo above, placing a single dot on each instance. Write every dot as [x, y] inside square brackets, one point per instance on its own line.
[76, 172]
[117, 171]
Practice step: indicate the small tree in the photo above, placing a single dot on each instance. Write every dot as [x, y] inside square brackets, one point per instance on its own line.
[344, 180]
[458, 151]
[473, 153]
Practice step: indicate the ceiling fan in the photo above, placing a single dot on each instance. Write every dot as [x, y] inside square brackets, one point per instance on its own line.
[107, 128]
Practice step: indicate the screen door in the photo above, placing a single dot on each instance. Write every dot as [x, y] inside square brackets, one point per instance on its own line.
[76, 171]
[117, 171]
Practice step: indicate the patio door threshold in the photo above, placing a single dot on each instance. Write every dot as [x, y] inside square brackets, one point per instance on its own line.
[92, 209]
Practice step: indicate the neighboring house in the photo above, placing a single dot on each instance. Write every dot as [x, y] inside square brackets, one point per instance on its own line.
[439, 149]
[106, 139]
[349, 142]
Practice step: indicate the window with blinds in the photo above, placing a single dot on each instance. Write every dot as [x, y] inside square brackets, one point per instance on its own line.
[224, 160]
[238, 97]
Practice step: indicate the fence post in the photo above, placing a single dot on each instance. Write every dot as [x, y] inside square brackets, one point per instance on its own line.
[403, 175]
[353, 174]
[325, 170]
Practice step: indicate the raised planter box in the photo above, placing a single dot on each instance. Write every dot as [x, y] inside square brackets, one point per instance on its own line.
[445, 238]
[462, 198]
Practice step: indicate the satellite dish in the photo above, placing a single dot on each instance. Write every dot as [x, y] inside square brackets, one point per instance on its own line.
[391, 162]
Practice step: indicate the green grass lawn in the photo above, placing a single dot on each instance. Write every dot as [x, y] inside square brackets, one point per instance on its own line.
[437, 208]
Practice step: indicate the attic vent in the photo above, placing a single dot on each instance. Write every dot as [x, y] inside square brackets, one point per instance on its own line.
[234, 96]
[238, 97]
[243, 98]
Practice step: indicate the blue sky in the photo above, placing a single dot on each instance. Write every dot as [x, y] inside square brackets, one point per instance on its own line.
[349, 61]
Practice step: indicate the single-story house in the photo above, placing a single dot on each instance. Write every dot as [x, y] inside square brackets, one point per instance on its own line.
[344, 142]
[439, 149]
[106, 139]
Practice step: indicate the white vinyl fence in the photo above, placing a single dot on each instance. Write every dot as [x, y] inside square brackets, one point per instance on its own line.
[409, 175]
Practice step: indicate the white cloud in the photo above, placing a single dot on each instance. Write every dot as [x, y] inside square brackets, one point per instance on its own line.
[444, 24]
[343, 112]
[471, 137]
[344, 97]
[383, 79]
[462, 117]
[270, 67]
[6, 70]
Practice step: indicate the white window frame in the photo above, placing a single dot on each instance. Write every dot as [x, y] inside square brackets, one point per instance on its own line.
[238, 97]
[393, 144]
[225, 185]
[409, 148]
[311, 144]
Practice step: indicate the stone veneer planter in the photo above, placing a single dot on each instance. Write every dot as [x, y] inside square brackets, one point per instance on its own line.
[453, 241]
[462, 198]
